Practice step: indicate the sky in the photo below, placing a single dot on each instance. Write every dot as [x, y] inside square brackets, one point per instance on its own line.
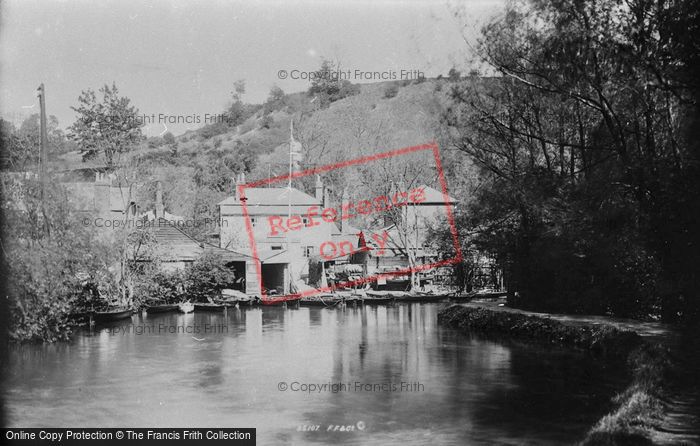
[180, 58]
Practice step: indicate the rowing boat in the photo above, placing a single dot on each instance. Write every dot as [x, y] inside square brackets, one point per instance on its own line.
[111, 315]
[320, 301]
[209, 307]
[161, 308]
[422, 297]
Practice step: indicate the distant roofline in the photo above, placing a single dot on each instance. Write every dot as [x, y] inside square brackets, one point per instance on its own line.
[309, 199]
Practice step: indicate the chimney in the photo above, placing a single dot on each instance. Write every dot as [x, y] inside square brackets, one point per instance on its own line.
[319, 191]
[160, 210]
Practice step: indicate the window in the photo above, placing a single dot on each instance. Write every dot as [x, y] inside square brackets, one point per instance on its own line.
[252, 221]
[305, 220]
[276, 247]
[308, 251]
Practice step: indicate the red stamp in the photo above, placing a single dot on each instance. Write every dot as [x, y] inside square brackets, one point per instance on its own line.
[388, 194]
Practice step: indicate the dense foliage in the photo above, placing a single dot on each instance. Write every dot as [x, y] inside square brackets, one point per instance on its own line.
[202, 279]
[51, 257]
[20, 145]
[206, 277]
[589, 190]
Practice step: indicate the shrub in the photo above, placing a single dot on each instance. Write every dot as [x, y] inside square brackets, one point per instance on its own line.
[266, 122]
[391, 91]
[211, 130]
[207, 276]
[155, 142]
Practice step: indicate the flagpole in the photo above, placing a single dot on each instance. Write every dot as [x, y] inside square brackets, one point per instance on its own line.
[289, 185]
[289, 200]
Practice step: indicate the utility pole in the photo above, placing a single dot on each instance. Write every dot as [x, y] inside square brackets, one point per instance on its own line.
[44, 139]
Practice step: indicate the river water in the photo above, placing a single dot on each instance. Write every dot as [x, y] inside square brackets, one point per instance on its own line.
[393, 376]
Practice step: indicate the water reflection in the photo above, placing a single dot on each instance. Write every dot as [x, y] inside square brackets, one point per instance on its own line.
[474, 391]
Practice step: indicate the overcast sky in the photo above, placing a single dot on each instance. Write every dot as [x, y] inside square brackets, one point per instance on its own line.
[182, 57]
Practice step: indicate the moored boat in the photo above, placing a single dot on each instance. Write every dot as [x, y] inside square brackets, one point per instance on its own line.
[422, 297]
[291, 299]
[209, 307]
[233, 302]
[383, 297]
[111, 315]
[161, 308]
[320, 301]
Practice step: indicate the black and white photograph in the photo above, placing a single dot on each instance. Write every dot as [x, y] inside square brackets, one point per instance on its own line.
[350, 222]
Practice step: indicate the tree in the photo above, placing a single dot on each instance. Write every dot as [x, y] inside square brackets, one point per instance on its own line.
[168, 138]
[110, 126]
[328, 86]
[239, 111]
[397, 179]
[587, 154]
[275, 100]
[21, 146]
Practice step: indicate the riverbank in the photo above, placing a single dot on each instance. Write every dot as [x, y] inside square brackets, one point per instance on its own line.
[639, 408]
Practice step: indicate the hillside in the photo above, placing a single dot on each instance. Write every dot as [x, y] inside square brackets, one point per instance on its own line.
[197, 167]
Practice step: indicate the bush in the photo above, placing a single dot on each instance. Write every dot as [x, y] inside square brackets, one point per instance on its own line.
[266, 122]
[391, 91]
[155, 142]
[211, 130]
[206, 277]
[160, 287]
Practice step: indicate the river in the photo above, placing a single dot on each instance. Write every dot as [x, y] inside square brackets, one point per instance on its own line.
[392, 376]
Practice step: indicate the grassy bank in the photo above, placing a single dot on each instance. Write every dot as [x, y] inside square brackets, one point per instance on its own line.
[638, 407]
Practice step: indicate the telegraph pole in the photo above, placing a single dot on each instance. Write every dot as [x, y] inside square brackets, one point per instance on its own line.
[44, 139]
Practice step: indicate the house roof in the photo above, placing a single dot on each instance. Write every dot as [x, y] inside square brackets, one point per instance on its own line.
[273, 196]
[228, 255]
[173, 244]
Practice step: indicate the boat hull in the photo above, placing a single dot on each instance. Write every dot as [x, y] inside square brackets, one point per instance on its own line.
[330, 302]
[277, 301]
[233, 303]
[423, 298]
[209, 307]
[111, 316]
[161, 309]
